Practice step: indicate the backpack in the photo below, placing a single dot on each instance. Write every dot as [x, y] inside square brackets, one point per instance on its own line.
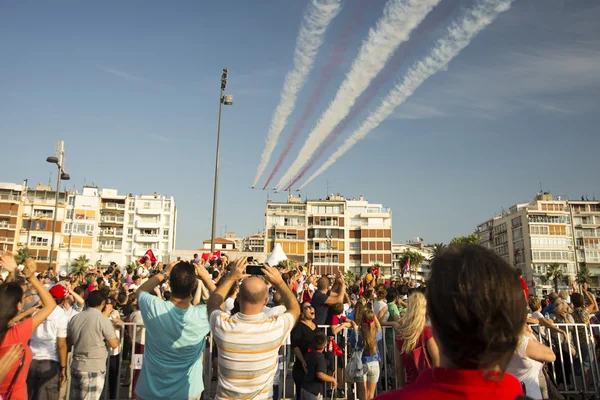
[355, 368]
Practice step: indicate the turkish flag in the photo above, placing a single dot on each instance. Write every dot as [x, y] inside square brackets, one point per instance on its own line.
[149, 255]
[207, 256]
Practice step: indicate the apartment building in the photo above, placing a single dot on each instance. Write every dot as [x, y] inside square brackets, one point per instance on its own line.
[10, 213]
[332, 233]
[80, 232]
[422, 270]
[37, 223]
[532, 236]
[254, 243]
[100, 224]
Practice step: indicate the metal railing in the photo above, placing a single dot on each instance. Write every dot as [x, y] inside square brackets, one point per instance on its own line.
[576, 371]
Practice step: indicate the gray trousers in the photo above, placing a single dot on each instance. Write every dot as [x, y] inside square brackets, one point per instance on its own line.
[43, 380]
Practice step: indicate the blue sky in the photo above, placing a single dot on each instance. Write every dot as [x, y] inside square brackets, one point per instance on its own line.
[132, 88]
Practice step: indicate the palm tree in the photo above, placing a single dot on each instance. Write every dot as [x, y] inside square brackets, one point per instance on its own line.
[22, 255]
[584, 275]
[81, 264]
[437, 250]
[416, 259]
[555, 273]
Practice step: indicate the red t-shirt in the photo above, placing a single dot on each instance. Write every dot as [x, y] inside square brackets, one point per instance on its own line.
[458, 384]
[412, 372]
[18, 334]
[525, 288]
[335, 320]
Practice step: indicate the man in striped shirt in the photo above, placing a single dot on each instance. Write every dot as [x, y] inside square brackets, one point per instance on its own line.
[248, 342]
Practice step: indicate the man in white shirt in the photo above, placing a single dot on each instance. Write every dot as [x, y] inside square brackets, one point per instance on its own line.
[48, 369]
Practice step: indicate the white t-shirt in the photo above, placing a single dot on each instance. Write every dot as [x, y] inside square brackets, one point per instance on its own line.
[229, 303]
[43, 340]
[140, 332]
[526, 370]
[377, 306]
[115, 352]
[72, 311]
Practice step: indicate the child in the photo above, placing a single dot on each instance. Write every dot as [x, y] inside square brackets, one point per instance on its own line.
[338, 324]
[312, 386]
[369, 335]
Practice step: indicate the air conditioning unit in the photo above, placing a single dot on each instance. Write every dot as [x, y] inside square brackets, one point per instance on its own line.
[25, 215]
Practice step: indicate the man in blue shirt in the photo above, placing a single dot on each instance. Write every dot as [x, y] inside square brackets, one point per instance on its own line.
[549, 309]
[175, 335]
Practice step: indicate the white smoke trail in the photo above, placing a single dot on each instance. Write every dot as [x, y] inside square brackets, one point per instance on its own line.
[317, 17]
[399, 18]
[460, 34]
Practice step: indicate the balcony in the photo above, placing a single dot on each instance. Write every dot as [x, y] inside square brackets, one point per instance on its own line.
[140, 251]
[111, 232]
[6, 225]
[110, 247]
[8, 212]
[6, 240]
[13, 198]
[113, 219]
[145, 238]
[147, 224]
[148, 211]
[43, 214]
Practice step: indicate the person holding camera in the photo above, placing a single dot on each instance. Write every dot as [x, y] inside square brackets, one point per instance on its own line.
[249, 341]
[175, 334]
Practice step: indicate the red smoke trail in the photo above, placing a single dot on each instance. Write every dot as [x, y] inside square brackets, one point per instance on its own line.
[371, 92]
[326, 74]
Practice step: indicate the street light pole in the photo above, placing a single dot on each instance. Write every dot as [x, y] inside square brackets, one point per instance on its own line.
[227, 100]
[58, 159]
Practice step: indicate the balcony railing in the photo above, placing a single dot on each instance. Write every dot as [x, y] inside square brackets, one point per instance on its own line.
[112, 218]
[8, 212]
[148, 211]
[5, 225]
[110, 232]
[9, 197]
[146, 238]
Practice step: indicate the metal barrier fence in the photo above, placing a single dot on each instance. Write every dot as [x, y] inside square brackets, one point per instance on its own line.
[576, 370]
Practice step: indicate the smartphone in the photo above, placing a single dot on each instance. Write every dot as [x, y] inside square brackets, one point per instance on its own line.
[254, 270]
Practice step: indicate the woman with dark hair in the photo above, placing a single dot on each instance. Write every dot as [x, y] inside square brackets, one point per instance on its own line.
[14, 385]
[477, 311]
[302, 337]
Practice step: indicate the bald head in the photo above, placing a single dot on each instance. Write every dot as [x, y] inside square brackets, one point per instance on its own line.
[253, 291]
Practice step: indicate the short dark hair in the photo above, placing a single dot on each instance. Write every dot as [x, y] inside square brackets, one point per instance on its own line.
[577, 300]
[519, 271]
[95, 298]
[392, 295]
[336, 308]
[183, 280]
[129, 270]
[195, 255]
[167, 295]
[135, 277]
[320, 340]
[482, 325]
[322, 283]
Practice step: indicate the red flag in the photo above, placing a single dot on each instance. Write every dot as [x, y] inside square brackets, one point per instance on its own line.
[149, 255]
[214, 256]
[406, 266]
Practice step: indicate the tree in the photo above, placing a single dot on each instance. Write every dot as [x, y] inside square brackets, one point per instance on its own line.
[584, 275]
[22, 255]
[349, 277]
[416, 259]
[80, 264]
[473, 238]
[437, 250]
[555, 273]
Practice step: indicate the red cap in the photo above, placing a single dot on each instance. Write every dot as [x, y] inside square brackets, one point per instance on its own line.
[58, 292]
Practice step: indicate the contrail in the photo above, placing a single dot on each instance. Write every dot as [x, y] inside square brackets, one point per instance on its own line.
[327, 72]
[384, 76]
[460, 34]
[317, 18]
[399, 18]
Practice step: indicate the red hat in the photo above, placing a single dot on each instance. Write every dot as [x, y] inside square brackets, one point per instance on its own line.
[58, 292]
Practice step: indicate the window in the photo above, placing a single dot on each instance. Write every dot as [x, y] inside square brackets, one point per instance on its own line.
[548, 219]
[71, 200]
[129, 232]
[517, 234]
[516, 222]
[354, 246]
[69, 214]
[38, 241]
[130, 206]
[165, 234]
[167, 206]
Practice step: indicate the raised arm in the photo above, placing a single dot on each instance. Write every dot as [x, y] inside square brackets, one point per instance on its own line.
[287, 296]
[335, 298]
[156, 280]
[217, 298]
[48, 303]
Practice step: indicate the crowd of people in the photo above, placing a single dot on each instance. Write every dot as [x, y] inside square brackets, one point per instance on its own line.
[471, 331]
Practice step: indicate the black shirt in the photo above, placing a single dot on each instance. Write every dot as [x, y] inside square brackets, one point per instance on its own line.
[302, 337]
[321, 309]
[315, 363]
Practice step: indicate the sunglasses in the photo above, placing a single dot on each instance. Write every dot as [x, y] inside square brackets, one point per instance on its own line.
[308, 308]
